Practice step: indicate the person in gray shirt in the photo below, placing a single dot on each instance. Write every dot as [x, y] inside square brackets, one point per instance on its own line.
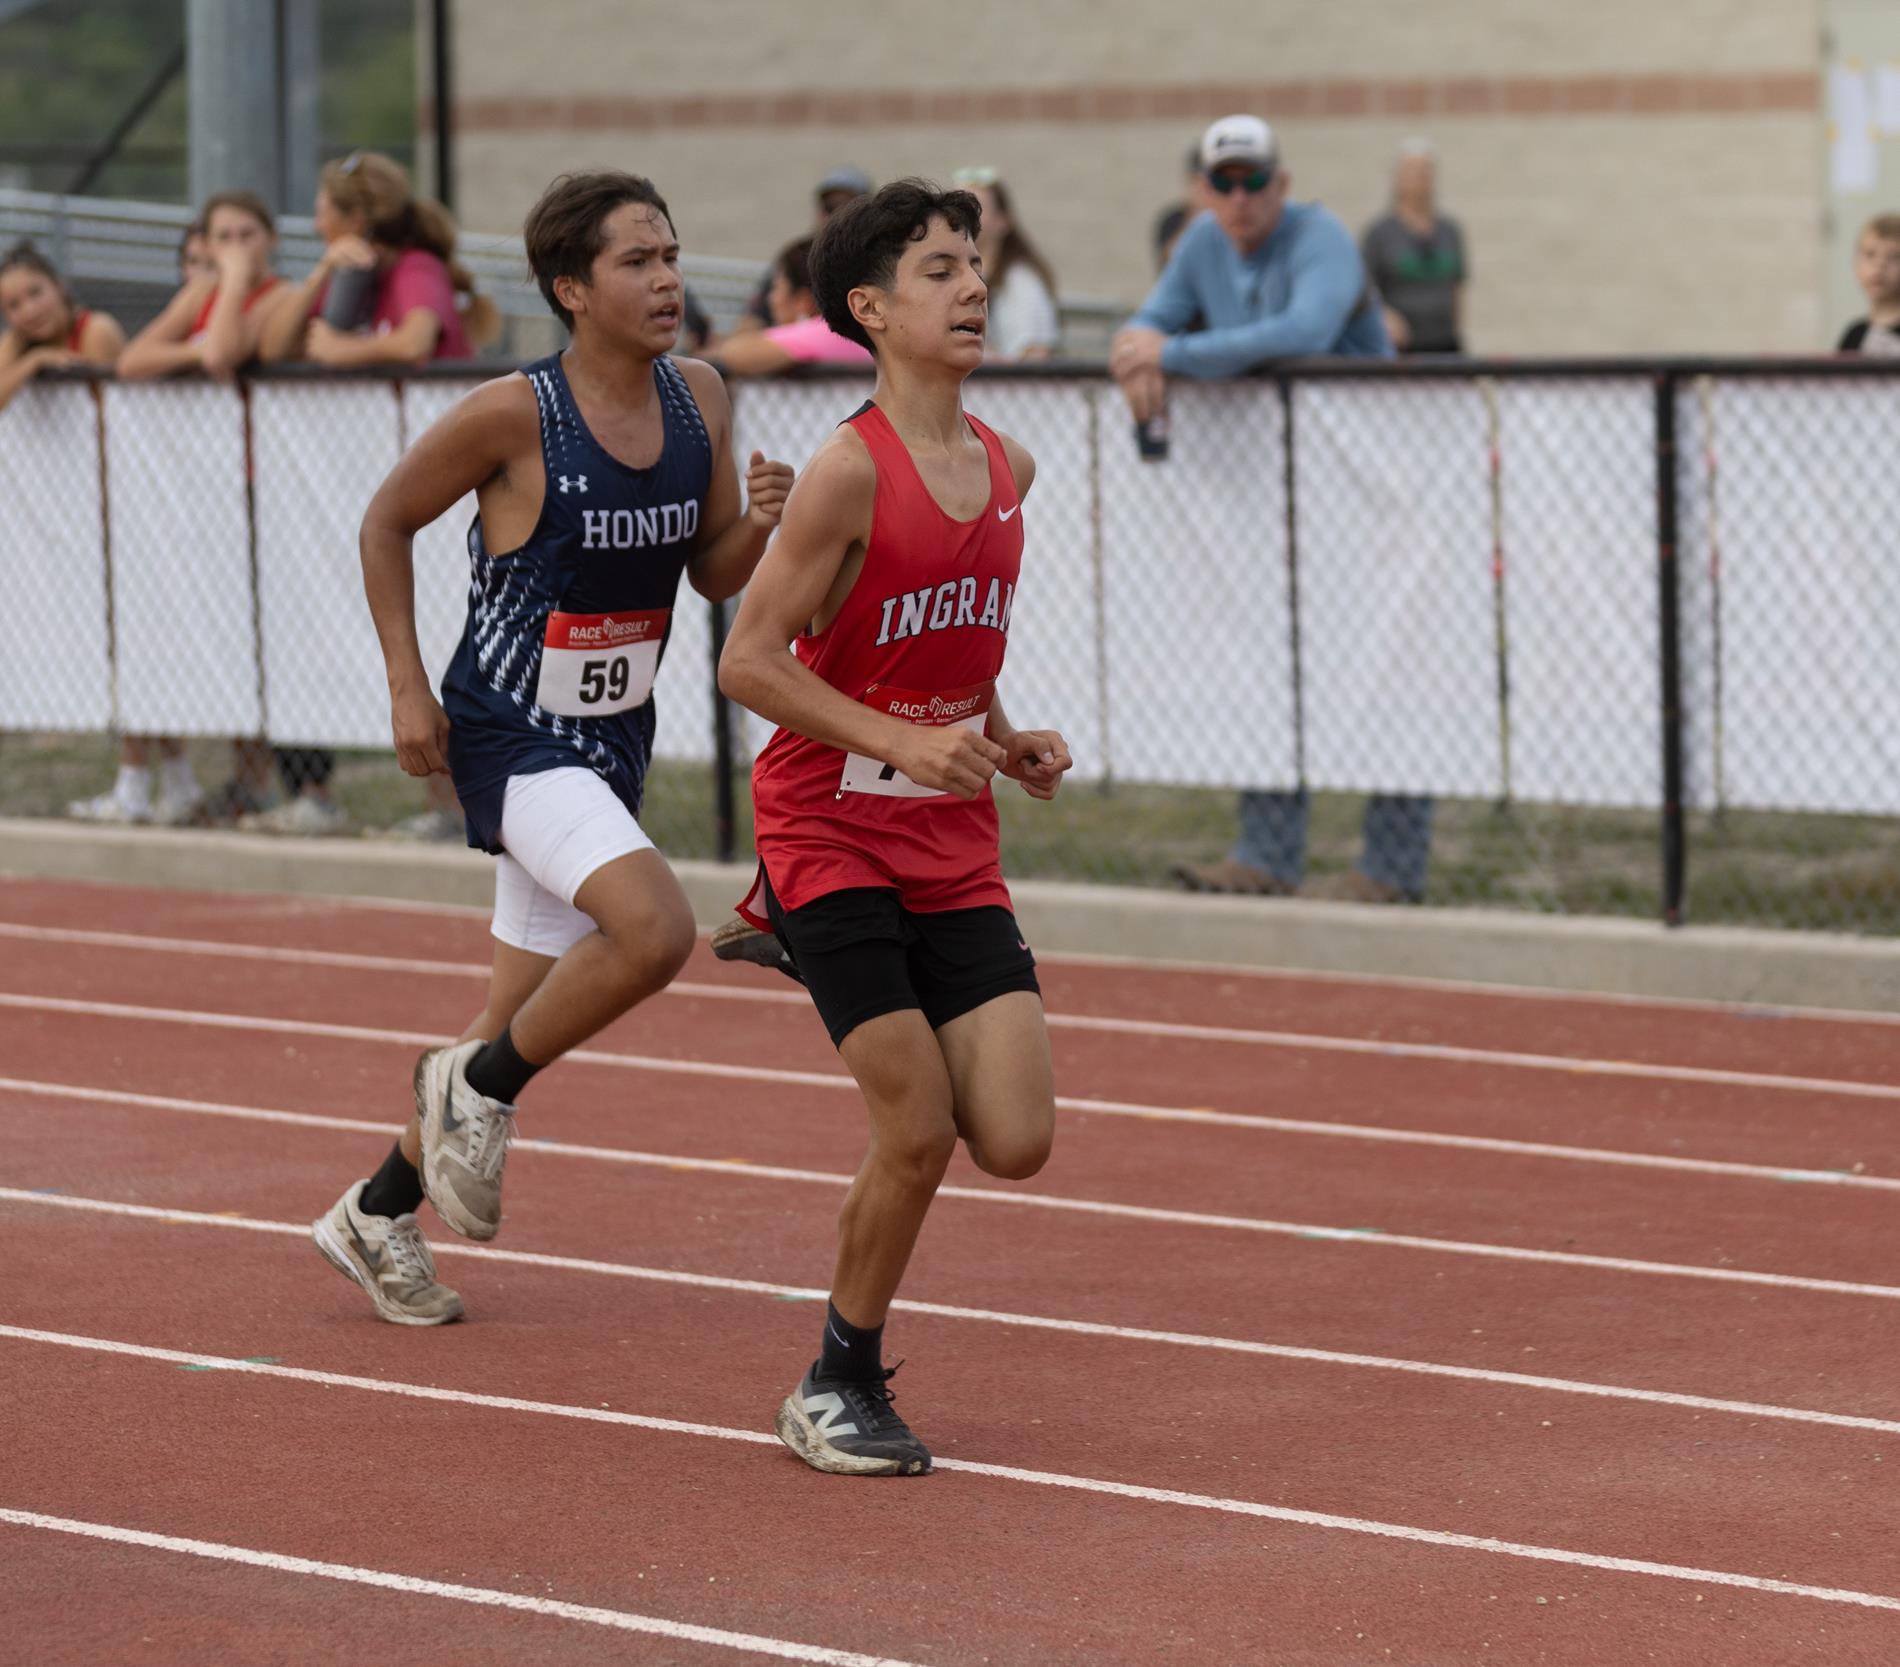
[1416, 259]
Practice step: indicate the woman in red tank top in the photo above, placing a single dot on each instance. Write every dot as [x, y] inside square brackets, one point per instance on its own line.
[45, 327]
[215, 325]
[893, 577]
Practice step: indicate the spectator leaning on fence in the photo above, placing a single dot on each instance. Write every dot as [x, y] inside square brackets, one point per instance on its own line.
[1272, 279]
[387, 289]
[1416, 259]
[1023, 322]
[214, 325]
[1877, 271]
[45, 326]
[797, 334]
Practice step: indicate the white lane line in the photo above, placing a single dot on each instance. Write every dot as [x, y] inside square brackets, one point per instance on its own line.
[1032, 1322]
[1065, 1102]
[618, 1620]
[745, 1169]
[1744, 1009]
[1298, 1041]
[1000, 1472]
[1270, 1125]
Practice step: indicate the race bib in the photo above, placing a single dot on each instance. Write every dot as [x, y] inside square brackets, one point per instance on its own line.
[596, 664]
[966, 708]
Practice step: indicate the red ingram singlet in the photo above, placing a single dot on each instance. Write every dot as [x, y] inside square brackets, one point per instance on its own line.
[921, 635]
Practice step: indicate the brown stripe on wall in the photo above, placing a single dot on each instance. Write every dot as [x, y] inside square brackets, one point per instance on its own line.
[1789, 92]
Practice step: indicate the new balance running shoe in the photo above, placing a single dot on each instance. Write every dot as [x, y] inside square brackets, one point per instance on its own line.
[464, 1142]
[389, 1259]
[740, 940]
[850, 1428]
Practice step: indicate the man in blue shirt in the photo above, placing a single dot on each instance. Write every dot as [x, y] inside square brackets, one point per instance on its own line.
[1269, 279]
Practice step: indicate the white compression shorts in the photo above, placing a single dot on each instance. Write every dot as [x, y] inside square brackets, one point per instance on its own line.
[557, 828]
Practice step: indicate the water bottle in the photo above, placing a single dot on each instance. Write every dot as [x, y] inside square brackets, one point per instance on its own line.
[1151, 438]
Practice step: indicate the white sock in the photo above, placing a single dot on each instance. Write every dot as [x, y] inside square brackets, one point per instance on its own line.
[176, 775]
[133, 789]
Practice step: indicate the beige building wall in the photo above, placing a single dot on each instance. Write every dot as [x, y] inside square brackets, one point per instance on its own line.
[1632, 177]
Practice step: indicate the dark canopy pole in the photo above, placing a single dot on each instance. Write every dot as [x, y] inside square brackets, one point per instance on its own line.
[136, 112]
[444, 85]
[725, 799]
[1669, 619]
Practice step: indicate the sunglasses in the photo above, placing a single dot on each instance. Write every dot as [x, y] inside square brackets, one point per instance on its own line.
[1258, 180]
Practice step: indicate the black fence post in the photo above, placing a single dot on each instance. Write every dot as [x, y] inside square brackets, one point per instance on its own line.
[1675, 854]
[725, 808]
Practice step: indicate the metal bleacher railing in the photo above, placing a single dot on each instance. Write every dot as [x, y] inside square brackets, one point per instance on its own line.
[1631, 625]
[123, 256]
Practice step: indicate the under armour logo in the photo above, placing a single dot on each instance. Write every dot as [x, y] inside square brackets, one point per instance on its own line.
[578, 482]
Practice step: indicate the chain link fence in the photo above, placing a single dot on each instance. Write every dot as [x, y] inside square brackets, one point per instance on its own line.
[1451, 625]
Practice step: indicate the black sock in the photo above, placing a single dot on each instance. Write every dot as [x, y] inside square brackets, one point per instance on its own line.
[498, 1072]
[850, 1352]
[394, 1190]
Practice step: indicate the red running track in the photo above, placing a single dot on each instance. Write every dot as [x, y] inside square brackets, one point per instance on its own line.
[1610, 1390]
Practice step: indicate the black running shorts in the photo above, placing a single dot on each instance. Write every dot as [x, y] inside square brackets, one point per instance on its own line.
[862, 954]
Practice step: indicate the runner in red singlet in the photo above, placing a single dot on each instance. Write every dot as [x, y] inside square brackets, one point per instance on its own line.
[893, 575]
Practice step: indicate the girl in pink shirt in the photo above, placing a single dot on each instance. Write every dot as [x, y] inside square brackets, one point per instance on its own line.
[423, 305]
[797, 335]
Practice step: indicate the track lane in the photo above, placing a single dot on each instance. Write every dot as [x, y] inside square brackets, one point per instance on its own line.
[1145, 1581]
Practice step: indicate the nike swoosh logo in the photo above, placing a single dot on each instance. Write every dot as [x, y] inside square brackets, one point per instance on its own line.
[373, 1258]
[1005, 514]
[834, 1332]
[450, 1122]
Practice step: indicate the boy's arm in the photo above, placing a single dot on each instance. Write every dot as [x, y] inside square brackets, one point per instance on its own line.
[732, 537]
[826, 517]
[462, 451]
[1034, 757]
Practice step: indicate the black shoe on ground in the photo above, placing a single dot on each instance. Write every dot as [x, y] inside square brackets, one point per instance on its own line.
[850, 1428]
[740, 940]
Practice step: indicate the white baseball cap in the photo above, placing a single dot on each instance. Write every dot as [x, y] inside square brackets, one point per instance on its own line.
[1238, 139]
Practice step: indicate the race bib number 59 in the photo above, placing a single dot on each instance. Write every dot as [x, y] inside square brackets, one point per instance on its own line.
[966, 708]
[594, 664]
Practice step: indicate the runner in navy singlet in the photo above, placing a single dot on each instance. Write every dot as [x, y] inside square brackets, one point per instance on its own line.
[602, 475]
[894, 577]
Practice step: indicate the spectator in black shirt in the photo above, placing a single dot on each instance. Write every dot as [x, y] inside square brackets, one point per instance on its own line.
[1416, 259]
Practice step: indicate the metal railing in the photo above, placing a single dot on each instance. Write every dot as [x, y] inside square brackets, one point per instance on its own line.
[93, 239]
[1595, 636]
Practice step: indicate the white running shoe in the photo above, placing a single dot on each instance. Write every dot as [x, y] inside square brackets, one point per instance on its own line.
[109, 807]
[389, 1259]
[464, 1142]
[432, 827]
[178, 806]
[306, 816]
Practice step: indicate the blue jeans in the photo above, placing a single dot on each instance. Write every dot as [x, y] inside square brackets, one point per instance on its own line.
[1398, 836]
